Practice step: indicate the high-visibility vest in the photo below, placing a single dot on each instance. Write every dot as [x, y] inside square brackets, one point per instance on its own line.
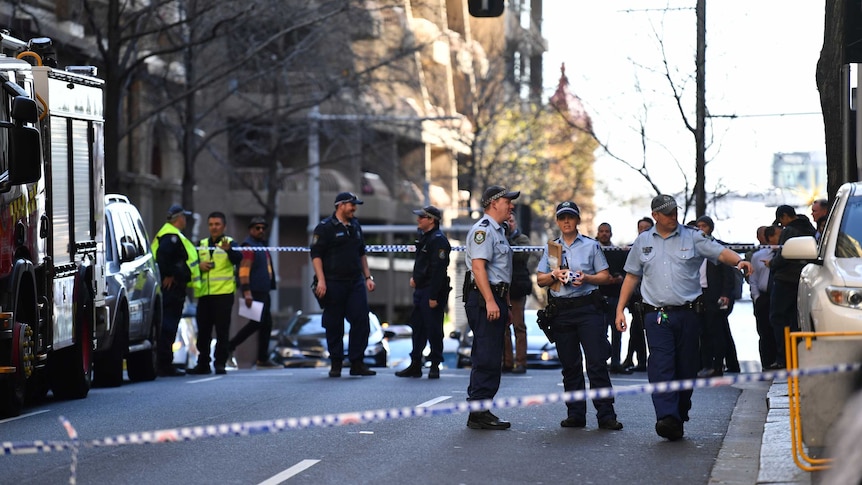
[220, 280]
[191, 252]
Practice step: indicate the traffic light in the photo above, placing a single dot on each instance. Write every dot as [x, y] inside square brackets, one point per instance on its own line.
[486, 8]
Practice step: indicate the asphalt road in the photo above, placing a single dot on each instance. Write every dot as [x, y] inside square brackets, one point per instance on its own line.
[437, 449]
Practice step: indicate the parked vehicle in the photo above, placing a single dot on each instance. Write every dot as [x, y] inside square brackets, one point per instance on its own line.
[52, 274]
[302, 343]
[540, 352]
[830, 286]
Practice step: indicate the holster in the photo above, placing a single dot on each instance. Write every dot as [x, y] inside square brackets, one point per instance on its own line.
[545, 320]
[314, 292]
[468, 283]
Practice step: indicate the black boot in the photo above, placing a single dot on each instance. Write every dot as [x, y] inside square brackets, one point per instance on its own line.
[335, 369]
[358, 368]
[434, 372]
[413, 370]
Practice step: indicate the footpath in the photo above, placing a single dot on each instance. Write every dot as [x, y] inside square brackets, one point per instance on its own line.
[757, 448]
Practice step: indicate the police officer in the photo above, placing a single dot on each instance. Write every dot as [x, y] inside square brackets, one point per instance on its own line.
[215, 294]
[431, 291]
[579, 319]
[666, 259]
[342, 281]
[489, 261]
[178, 263]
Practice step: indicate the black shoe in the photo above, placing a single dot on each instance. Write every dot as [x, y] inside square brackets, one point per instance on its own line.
[637, 368]
[335, 369]
[618, 369]
[670, 428]
[360, 369]
[200, 370]
[434, 372]
[709, 372]
[519, 369]
[574, 422]
[733, 370]
[221, 371]
[611, 424]
[410, 371]
[486, 420]
[171, 372]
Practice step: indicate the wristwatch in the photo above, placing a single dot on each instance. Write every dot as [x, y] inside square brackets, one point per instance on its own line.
[369, 277]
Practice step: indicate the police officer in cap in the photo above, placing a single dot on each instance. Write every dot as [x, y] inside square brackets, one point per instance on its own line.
[666, 259]
[489, 260]
[179, 267]
[431, 290]
[580, 319]
[342, 282]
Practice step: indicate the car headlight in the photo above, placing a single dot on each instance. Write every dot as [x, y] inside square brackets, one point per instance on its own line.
[846, 297]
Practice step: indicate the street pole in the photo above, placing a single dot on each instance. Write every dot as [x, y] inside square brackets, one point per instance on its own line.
[700, 124]
[313, 196]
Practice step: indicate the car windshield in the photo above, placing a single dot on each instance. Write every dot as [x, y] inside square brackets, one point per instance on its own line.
[850, 232]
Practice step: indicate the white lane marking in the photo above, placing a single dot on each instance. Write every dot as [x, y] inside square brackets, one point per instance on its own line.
[205, 379]
[433, 401]
[290, 472]
[24, 416]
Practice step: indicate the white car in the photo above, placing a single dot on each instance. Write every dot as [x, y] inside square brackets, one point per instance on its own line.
[830, 286]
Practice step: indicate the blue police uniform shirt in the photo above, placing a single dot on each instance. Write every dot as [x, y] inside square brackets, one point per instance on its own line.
[670, 267]
[487, 240]
[584, 255]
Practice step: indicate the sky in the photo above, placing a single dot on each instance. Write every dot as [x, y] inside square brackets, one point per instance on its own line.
[761, 57]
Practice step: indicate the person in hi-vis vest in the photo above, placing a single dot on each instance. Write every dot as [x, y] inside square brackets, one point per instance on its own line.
[177, 258]
[215, 296]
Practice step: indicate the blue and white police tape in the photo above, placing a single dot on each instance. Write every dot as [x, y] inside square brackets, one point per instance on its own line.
[360, 417]
[411, 248]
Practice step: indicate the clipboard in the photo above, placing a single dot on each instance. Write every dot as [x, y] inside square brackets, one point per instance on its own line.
[555, 250]
[253, 313]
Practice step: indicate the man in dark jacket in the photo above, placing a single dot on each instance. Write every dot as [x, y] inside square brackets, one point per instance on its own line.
[715, 338]
[256, 280]
[785, 275]
[521, 288]
[430, 292]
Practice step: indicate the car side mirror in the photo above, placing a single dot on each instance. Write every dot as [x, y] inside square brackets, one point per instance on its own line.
[800, 247]
[129, 252]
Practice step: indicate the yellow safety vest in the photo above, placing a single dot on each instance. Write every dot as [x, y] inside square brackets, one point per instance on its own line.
[220, 280]
[191, 252]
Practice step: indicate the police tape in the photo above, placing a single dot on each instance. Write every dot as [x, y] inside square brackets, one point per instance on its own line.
[411, 248]
[361, 417]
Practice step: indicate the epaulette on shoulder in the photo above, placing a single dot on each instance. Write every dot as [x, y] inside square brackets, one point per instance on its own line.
[485, 223]
[588, 238]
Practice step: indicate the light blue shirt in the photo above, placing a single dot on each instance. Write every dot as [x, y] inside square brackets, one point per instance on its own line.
[758, 281]
[584, 255]
[670, 267]
[487, 240]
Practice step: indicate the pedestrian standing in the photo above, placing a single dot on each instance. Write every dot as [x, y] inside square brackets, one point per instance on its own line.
[178, 264]
[218, 260]
[522, 287]
[637, 338]
[761, 288]
[666, 260]
[256, 281]
[486, 290]
[579, 320]
[616, 259]
[342, 283]
[430, 292]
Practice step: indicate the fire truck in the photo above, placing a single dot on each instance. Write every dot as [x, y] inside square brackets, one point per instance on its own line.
[52, 260]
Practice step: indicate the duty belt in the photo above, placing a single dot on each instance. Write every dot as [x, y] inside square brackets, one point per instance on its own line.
[500, 289]
[573, 302]
[669, 308]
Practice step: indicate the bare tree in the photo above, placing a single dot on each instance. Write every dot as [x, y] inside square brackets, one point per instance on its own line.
[830, 85]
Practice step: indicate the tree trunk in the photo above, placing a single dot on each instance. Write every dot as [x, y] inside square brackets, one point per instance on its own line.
[829, 79]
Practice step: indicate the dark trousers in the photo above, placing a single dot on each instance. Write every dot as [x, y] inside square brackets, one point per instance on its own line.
[673, 355]
[782, 314]
[172, 312]
[487, 351]
[584, 328]
[713, 338]
[637, 339]
[263, 328]
[346, 299]
[610, 315]
[214, 312]
[427, 324]
[766, 344]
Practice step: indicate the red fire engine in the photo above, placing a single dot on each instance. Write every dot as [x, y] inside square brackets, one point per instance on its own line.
[52, 282]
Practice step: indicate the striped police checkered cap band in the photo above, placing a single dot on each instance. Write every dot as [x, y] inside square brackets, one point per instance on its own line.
[663, 203]
[495, 192]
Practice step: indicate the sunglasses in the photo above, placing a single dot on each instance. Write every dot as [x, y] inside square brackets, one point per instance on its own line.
[259, 228]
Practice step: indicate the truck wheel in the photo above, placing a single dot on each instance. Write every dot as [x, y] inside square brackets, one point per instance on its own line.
[72, 367]
[15, 387]
[108, 367]
[141, 365]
